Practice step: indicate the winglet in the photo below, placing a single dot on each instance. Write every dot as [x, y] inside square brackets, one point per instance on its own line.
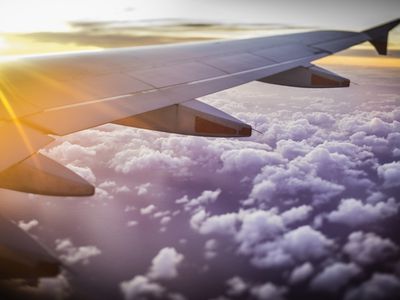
[379, 35]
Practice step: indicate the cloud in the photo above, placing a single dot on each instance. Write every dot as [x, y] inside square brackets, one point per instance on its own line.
[236, 286]
[390, 173]
[334, 277]
[321, 119]
[261, 235]
[71, 254]
[305, 243]
[257, 227]
[210, 248]
[354, 213]
[264, 191]
[165, 264]
[290, 149]
[302, 176]
[204, 199]
[163, 267]
[143, 189]
[148, 209]
[140, 287]
[71, 153]
[26, 226]
[379, 287]
[144, 159]
[296, 214]
[299, 245]
[301, 273]
[268, 291]
[132, 223]
[248, 161]
[222, 224]
[85, 172]
[56, 288]
[369, 248]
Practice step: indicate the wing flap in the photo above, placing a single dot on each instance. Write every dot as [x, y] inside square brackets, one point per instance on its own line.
[191, 118]
[307, 77]
[41, 175]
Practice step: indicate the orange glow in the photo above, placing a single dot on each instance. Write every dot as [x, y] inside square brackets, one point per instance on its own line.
[361, 61]
[6, 104]
[12, 45]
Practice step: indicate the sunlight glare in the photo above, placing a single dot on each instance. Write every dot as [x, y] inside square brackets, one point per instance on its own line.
[3, 43]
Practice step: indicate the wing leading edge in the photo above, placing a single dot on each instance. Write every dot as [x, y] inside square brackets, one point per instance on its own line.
[147, 87]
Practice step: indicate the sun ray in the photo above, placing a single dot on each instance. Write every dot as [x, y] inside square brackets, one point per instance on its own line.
[14, 118]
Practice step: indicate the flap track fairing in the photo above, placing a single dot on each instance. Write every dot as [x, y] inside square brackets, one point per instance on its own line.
[308, 77]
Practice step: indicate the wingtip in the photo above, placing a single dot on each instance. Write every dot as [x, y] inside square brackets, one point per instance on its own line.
[378, 35]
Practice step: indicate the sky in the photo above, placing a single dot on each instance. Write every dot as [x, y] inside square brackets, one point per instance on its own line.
[44, 15]
[47, 26]
[305, 209]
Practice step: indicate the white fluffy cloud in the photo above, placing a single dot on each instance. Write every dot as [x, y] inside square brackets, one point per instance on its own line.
[257, 227]
[390, 173]
[353, 212]
[296, 214]
[379, 287]
[334, 277]
[140, 287]
[222, 224]
[299, 245]
[56, 288]
[26, 226]
[301, 273]
[303, 175]
[248, 160]
[268, 291]
[163, 267]
[236, 286]
[165, 264]
[71, 254]
[204, 199]
[369, 248]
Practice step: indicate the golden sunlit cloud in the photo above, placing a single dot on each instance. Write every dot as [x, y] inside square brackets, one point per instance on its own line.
[361, 61]
[15, 45]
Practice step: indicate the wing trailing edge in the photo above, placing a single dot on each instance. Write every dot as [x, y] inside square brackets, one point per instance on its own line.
[191, 118]
[307, 77]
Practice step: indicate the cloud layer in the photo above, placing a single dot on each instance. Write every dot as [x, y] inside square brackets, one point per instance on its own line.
[308, 208]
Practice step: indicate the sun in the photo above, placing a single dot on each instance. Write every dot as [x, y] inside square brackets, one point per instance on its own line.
[3, 43]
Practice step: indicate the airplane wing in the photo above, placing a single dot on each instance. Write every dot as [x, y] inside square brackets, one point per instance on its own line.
[23, 257]
[147, 87]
